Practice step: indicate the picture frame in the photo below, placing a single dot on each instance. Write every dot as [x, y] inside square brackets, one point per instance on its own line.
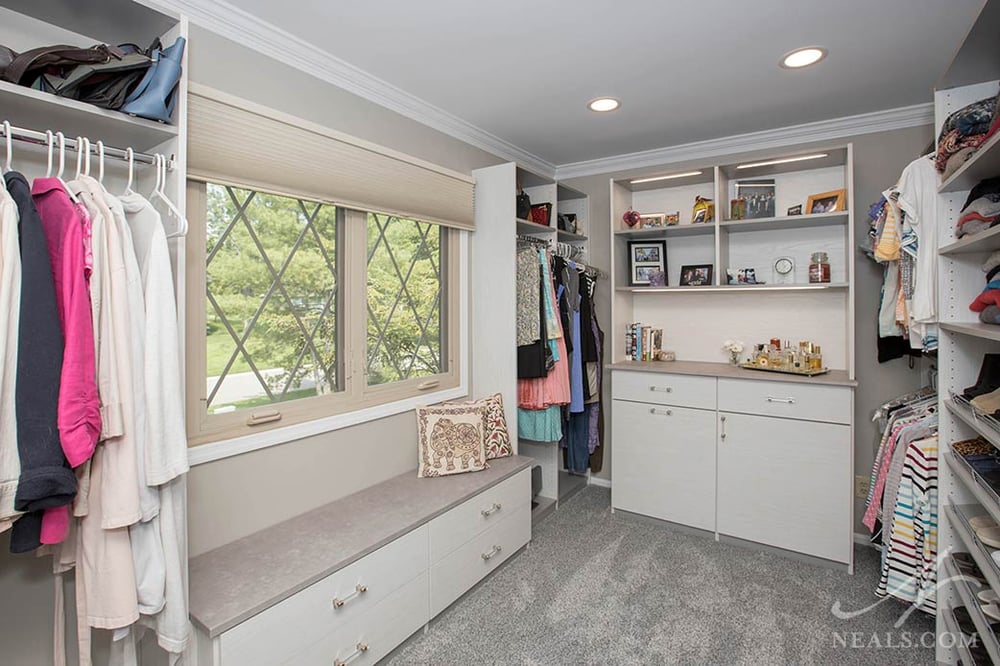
[652, 220]
[672, 219]
[794, 210]
[827, 202]
[759, 197]
[645, 258]
[696, 275]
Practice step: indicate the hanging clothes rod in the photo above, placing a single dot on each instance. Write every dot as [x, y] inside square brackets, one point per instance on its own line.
[42, 139]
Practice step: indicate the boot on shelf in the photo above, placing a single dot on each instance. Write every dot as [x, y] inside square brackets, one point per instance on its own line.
[156, 95]
[989, 377]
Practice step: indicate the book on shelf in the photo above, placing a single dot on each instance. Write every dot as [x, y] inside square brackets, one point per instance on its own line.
[642, 342]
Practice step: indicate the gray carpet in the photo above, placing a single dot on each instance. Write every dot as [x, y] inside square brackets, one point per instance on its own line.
[597, 588]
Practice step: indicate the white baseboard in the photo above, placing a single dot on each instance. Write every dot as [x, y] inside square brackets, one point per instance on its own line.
[597, 481]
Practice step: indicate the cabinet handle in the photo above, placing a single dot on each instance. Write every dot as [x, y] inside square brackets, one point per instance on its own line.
[661, 389]
[493, 509]
[495, 550]
[723, 420]
[359, 649]
[358, 589]
[661, 412]
[788, 401]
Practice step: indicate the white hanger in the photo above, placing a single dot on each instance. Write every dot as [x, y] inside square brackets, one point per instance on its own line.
[86, 163]
[10, 147]
[80, 146]
[50, 140]
[130, 156]
[100, 162]
[62, 166]
[160, 193]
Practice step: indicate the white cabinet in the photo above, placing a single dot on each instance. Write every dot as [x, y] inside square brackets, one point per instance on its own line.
[664, 462]
[761, 460]
[786, 483]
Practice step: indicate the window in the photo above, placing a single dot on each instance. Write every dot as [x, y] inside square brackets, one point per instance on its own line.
[305, 309]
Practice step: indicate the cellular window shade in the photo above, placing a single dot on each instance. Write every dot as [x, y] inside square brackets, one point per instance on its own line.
[234, 141]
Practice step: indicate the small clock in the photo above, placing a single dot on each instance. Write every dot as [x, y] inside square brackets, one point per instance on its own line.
[784, 270]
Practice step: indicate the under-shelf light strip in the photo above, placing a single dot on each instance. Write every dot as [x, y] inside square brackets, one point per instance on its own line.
[670, 177]
[41, 139]
[783, 160]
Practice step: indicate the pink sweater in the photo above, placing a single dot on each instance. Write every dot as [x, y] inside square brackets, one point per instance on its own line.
[79, 412]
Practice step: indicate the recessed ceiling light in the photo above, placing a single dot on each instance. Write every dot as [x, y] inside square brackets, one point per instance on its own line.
[803, 57]
[671, 176]
[783, 160]
[603, 104]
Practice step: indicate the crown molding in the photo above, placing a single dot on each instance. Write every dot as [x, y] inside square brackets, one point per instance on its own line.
[243, 28]
[824, 130]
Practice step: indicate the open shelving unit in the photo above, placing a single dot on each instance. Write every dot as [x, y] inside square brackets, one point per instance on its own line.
[973, 75]
[697, 319]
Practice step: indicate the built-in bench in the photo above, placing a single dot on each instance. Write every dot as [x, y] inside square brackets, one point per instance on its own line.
[351, 580]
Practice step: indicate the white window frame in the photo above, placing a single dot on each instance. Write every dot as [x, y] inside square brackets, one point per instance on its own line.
[360, 403]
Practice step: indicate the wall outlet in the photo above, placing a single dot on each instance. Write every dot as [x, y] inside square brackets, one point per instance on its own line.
[861, 486]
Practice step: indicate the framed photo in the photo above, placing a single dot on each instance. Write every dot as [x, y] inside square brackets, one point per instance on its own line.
[652, 220]
[646, 258]
[673, 218]
[759, 197]
[827, 202]
[794, 210]
[696, 275]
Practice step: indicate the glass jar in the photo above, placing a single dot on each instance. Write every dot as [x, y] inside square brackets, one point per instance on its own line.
[819, 268]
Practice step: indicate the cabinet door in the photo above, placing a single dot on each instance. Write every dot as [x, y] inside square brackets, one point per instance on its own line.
[664, 462]
[786, 483]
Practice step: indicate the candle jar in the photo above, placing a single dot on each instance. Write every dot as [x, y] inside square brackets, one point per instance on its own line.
[819, 268]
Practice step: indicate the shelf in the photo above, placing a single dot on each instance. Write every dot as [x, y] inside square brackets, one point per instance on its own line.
[570, 237]
[676, 230]
[980, 552]
[951, 627]
[962, 585]
[830, 286]
[982, 492]
[133, 22]
[976, 330]
[36, 110]
[984, 241]
[787, 222]
[978, 423]
[532, 229]
[984, 163]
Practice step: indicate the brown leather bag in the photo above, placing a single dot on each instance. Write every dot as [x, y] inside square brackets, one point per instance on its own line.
[24, 68]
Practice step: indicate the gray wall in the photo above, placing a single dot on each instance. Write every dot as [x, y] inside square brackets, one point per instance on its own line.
[878, 161]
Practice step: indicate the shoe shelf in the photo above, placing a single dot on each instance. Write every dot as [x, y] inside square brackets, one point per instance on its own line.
[951, 626]
[964, 586]
[985, 163]
[982, 491]
[985, 241]
[974, 329]
[34, 109]
[987, 426]
[981, 553]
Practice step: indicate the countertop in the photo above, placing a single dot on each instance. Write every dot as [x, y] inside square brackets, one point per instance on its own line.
[730, 371]
[235, 582]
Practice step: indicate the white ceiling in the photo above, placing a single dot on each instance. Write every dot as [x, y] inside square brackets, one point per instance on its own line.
[685, 70]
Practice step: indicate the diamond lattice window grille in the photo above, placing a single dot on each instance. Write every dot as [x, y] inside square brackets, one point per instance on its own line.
[272, 292]
[405, 289]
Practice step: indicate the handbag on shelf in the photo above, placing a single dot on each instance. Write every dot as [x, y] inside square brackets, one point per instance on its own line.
[523, 205]
[24, 68]
[540, 213]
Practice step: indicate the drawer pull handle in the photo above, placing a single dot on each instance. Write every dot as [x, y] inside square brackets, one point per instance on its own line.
[358, 589]
[359, 649]
[495, 550]
[661, 389]
[661, 412]
[723, 420]
[493, 509]
[787, 401]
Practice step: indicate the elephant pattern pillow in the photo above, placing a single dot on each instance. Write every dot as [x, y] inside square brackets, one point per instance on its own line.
[496, 434]
[451, 439]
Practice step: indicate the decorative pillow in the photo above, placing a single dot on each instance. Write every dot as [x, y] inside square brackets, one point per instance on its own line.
[451, 439]
[497, 436]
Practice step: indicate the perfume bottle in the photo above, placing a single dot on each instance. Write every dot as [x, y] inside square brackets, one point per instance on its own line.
[816, 358]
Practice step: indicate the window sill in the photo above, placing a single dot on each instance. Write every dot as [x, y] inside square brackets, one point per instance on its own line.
[213, 451]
